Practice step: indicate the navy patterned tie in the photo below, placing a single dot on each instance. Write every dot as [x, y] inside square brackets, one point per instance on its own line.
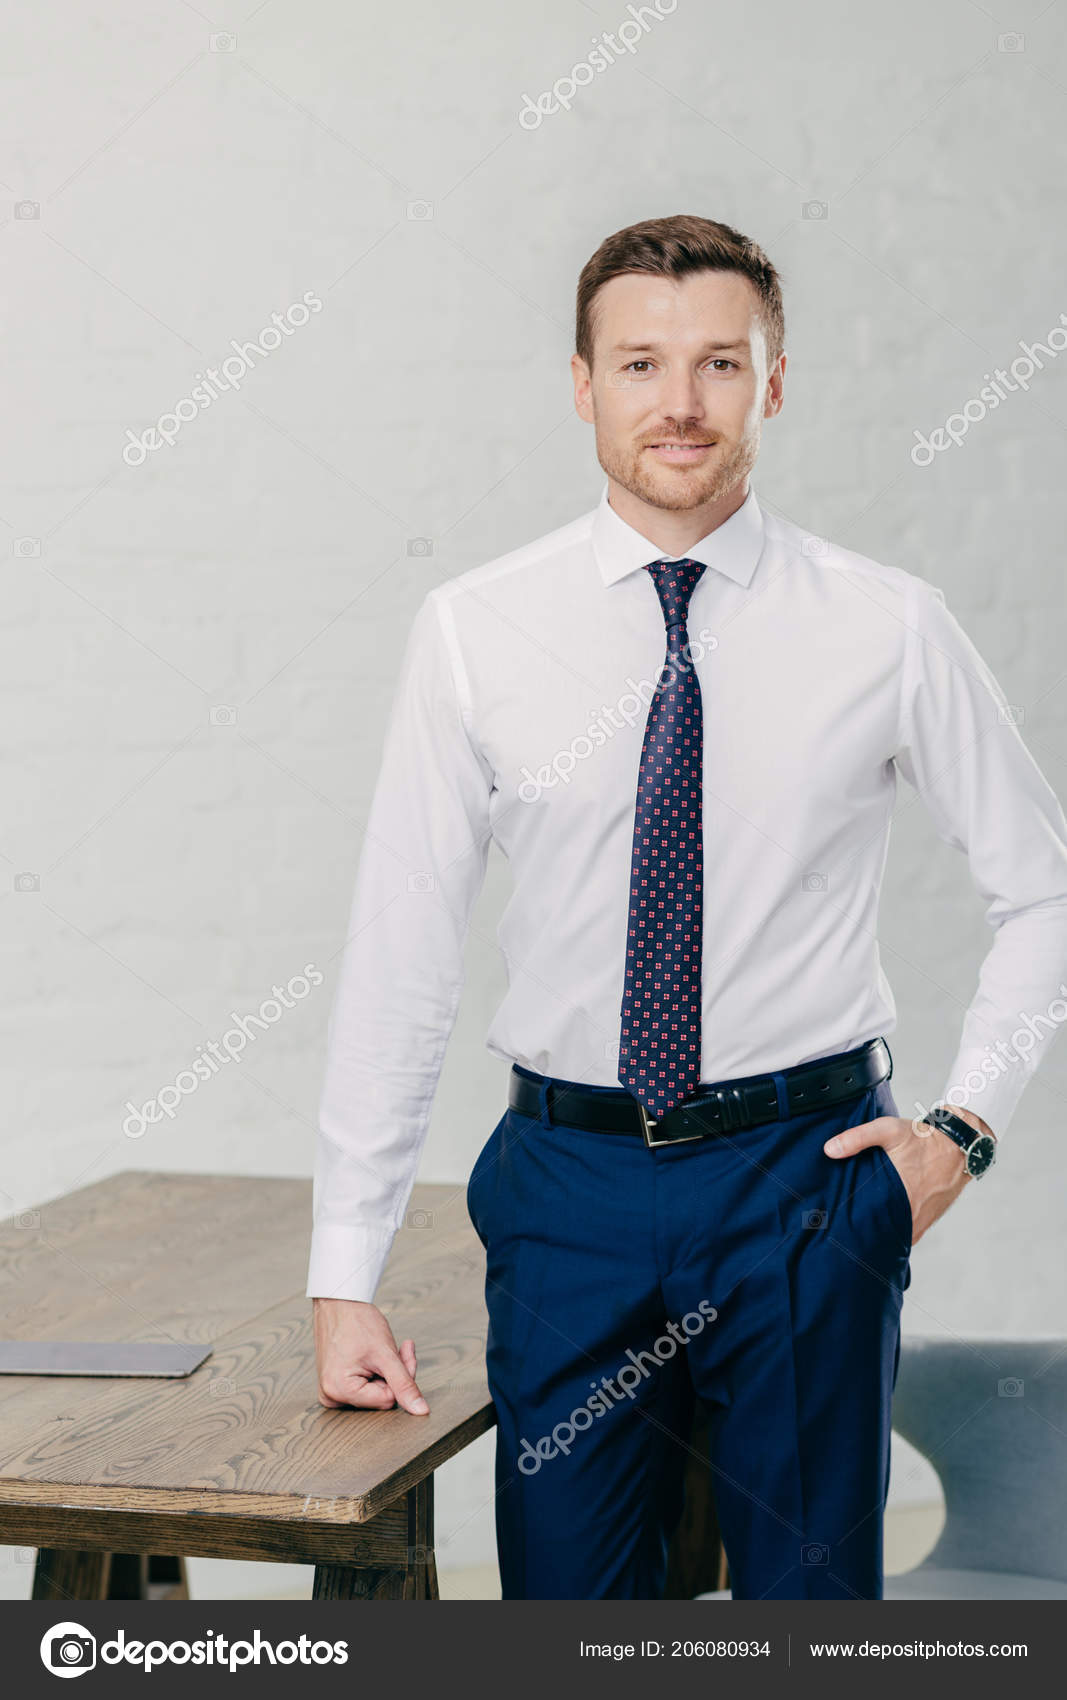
[659, 1052]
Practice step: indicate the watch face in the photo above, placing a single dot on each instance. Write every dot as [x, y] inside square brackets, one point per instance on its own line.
[982, 1154]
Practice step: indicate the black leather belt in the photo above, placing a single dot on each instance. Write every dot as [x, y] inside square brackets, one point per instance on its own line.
[719, 1109]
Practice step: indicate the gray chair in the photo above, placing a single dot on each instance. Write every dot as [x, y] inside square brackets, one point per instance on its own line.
[991, 1418]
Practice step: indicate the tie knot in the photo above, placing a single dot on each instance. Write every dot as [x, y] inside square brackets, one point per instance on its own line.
[675, 582]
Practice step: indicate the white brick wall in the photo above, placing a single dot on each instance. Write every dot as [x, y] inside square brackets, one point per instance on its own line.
[262, 561]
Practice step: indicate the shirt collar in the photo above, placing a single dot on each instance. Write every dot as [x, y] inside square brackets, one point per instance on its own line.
[733, 548]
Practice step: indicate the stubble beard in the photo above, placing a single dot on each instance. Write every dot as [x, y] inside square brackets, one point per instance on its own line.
[655, 483]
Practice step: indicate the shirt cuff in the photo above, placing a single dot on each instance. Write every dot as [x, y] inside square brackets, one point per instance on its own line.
[346, 1262]
[994, 1097]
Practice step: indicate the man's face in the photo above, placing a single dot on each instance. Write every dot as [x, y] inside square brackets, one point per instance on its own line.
[680, 385]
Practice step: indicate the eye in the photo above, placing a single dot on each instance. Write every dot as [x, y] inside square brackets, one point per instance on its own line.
[631, 363]
[720, 360]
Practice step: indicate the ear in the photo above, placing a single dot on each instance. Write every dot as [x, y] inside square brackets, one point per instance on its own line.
[775, 387]
[583, 388]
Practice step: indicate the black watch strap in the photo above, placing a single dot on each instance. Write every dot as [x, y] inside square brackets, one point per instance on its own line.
[979, 1149]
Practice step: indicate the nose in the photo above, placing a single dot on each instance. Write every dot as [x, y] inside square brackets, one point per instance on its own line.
[680, 399]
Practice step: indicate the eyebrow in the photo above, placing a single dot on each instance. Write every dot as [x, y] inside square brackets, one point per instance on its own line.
[654, 347]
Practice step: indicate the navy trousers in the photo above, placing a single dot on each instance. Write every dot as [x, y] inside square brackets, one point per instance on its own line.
[751, 1269]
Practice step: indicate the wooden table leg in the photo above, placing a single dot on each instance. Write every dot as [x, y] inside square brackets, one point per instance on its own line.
[60, 1574]
[341, 1582]
[421, 1552]
[415, 1579]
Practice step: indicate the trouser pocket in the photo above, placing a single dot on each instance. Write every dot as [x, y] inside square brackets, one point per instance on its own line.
[898, 1202]
[478, 1191]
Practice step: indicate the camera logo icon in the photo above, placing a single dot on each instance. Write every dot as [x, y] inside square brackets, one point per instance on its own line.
[815, 209]
[815, 882]
[68, 1649]
[26, 547]
[27, 209]
[420, 545]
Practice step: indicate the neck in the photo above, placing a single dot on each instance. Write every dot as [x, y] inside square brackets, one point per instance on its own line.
[674, 530]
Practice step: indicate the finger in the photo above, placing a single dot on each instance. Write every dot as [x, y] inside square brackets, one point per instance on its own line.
[364, 1394]
[407, 1356]
[853, 1139]
[391, 1365]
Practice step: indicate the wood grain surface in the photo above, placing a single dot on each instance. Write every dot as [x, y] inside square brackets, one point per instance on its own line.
[190, 1257]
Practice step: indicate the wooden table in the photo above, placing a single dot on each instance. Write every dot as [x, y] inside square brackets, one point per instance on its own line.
[116, 1481]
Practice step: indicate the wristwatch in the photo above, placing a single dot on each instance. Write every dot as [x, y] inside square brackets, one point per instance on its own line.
[979, 1149]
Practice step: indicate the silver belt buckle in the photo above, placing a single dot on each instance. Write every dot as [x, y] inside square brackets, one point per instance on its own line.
[649, 1122]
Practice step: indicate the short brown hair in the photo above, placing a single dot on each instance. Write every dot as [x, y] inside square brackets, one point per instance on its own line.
[673, 247]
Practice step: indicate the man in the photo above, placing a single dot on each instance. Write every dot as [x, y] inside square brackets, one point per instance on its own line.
[681, 718]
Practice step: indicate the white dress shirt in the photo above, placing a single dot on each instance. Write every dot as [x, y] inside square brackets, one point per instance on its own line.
[519, 715]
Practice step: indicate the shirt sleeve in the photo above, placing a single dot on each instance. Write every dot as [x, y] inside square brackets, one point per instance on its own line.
[962, 750]
[421, 866]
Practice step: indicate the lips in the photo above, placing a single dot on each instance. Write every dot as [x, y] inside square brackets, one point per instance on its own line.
[681, 454]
